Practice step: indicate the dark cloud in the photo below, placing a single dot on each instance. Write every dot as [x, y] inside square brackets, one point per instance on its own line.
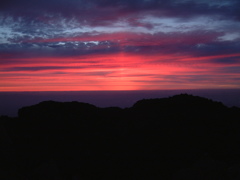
[39, 68]
[195, 43]
[56, 68]
[230, 70]
[55, 49]
[227, 60]
[32, 19]
[217, 48]
[91, 9]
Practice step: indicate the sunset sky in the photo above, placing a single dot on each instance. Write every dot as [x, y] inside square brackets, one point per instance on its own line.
[72, 45]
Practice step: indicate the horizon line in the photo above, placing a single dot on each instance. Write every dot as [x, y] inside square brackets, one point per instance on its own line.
[124, 90]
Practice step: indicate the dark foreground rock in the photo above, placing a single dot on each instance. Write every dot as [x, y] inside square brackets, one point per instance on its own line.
[181, 137]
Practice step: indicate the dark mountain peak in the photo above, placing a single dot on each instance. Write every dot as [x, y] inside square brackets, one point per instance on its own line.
[179, 102]
[53, 109]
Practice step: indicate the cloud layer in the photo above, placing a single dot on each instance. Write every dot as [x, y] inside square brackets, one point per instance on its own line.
[119, 45]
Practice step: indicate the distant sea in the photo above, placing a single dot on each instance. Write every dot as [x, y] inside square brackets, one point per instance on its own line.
[10, 102]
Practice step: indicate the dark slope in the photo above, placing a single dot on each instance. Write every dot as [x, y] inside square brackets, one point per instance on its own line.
[180, 137]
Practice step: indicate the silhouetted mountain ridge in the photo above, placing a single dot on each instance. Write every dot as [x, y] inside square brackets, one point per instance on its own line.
[178, 102]
[53, 108]
[180, 137]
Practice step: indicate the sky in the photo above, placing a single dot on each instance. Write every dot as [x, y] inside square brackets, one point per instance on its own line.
[92, 45]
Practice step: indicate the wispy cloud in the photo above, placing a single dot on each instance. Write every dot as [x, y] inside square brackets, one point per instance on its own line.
[138, 44]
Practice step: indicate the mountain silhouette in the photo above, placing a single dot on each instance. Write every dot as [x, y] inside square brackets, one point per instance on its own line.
[180, 137]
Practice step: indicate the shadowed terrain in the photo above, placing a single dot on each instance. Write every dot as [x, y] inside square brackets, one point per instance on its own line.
[177, 138]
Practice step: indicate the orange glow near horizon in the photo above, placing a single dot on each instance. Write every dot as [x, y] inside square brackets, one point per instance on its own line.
[120, 71]
[119, 45]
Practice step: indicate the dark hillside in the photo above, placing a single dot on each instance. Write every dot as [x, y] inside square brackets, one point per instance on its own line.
[180, 137]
